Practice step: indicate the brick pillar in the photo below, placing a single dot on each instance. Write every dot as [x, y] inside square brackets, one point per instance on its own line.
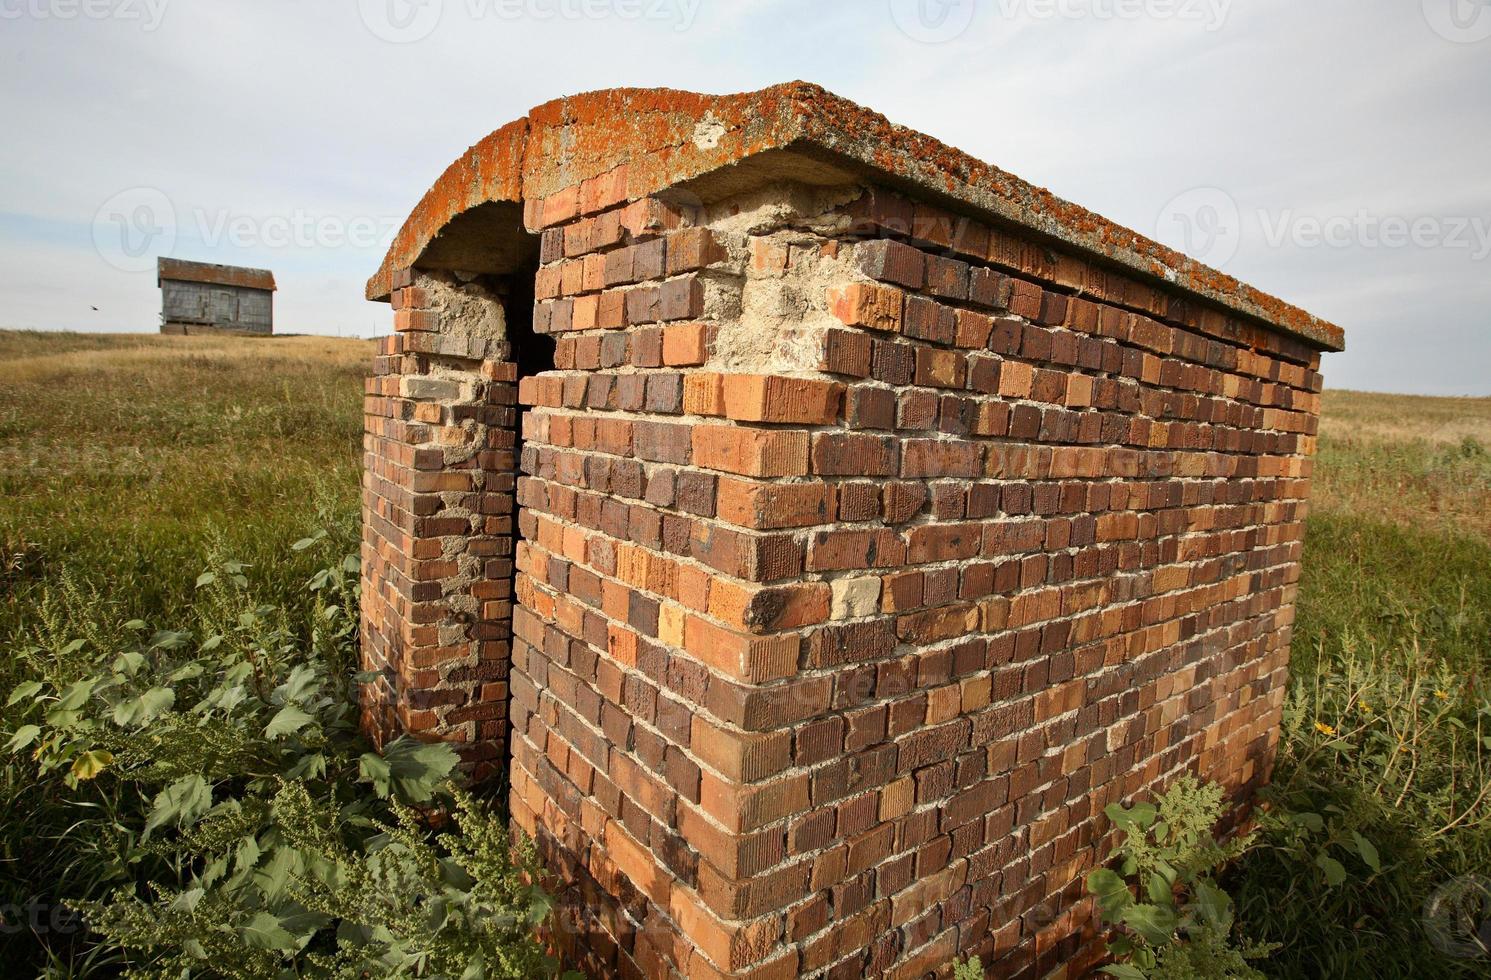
[440, 470]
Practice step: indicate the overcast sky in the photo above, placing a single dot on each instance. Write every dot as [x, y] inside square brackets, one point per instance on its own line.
[1336, 153]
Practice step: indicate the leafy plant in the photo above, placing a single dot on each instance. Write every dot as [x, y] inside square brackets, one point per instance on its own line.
[969, 969]
[1180, 924]
[246, 827]
[381, 900]
[1381, 799]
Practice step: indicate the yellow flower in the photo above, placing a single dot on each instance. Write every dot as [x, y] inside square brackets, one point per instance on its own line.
[1366, 708]
[1441, 695]
[1324, 729]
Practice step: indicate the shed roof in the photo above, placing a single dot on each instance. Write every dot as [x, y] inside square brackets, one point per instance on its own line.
[714, 145]
[182, 270]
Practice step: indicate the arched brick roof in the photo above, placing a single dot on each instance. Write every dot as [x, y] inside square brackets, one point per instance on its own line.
[637, 142]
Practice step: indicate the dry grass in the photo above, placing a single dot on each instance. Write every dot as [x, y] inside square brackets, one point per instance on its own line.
[1407, 460]
[1364, 415]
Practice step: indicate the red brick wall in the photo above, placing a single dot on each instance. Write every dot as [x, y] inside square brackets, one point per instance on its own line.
[865, 554]
[438, 521]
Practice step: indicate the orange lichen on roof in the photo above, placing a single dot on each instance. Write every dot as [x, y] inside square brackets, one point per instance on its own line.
[656, 139]
[181, 270]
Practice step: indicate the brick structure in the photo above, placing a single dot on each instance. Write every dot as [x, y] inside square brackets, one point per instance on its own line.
[881, 518]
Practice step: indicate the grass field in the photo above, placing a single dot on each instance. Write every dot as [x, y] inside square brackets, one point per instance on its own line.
[126, 462]
[124, 459]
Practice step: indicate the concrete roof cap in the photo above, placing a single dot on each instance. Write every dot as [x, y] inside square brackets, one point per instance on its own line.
[711, 145]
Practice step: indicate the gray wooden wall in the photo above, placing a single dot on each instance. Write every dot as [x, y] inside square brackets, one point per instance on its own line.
[201, 304]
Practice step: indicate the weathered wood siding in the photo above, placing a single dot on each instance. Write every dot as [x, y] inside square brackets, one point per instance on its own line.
[196, 305]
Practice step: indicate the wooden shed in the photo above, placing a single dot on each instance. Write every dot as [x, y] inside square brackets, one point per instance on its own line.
[199, 297]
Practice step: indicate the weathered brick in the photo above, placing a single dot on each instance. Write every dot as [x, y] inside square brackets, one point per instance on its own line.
[824, 661]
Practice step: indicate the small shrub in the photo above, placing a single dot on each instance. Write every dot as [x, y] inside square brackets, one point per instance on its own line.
[1180, 925]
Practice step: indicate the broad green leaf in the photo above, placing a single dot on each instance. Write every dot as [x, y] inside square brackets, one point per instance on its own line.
[1214, 905]
[76, 694]
[273, 876]
[1105, 881]
[205, 579]
[1368, 851]
[61, 717]
[145, 708]
[1312, 822]
[287, 720]
[1335, 871]
[1159, 890]
[1154, 923]
[185, 672]
[23, 737]
[303, 925]
[301, 684]
[248, 853]
[416, 769]
[1123, 971]
[372, 769]
[129, 662]
[312, 765]
[24, 692]
[91, 763]
[181, 804]
[264, 931]
[169, 640]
